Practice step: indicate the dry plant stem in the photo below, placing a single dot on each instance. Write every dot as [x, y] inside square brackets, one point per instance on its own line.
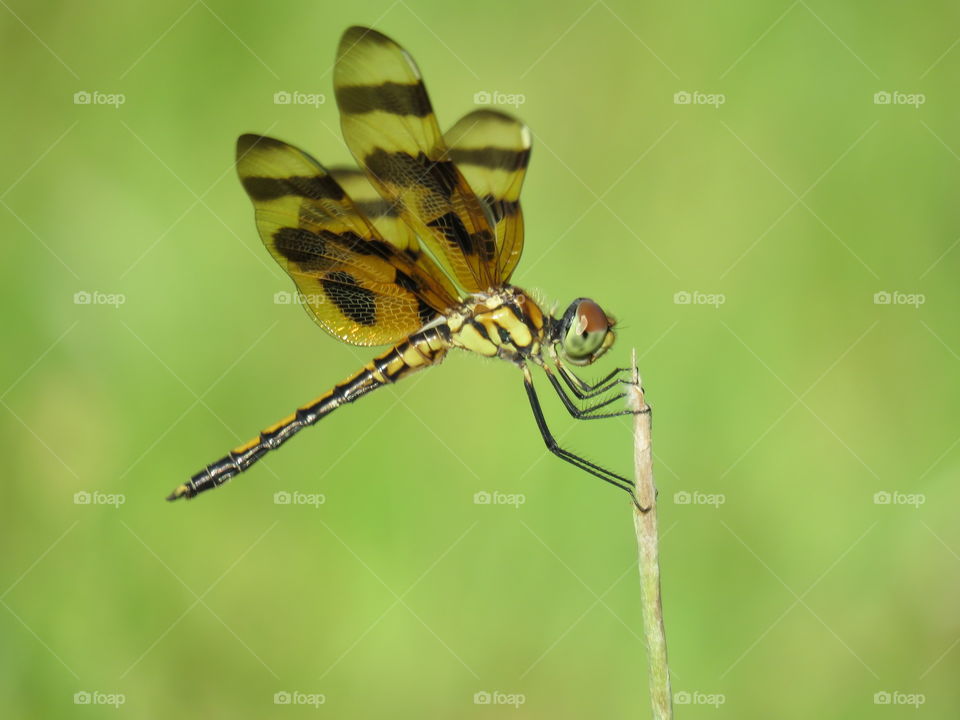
[645, 523]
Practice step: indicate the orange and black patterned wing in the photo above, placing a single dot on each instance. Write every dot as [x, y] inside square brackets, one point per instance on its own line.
[385, 217]
[359, 287]
[389, 126]
[492, 150]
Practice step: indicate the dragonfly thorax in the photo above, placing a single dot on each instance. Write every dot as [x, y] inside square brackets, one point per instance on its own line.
[505, 323]
[508, 323]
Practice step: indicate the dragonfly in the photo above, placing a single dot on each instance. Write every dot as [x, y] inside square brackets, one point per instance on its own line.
[414, 249]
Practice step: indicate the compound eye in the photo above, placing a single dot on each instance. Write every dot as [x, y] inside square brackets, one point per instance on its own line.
[588, 328]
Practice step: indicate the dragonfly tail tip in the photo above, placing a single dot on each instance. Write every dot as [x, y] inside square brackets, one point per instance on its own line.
[181, 491]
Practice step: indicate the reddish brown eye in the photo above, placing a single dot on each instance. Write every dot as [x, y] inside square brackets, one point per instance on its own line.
[590, 318]
[588, 327]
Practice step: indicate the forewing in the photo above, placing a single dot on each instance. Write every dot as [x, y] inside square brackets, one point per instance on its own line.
[358, 287]
[385, 217]
[389, 126]
[492, 150]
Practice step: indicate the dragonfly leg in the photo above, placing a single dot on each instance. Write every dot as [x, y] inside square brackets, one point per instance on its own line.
[591, 411]
[585, 390]
[552, 445]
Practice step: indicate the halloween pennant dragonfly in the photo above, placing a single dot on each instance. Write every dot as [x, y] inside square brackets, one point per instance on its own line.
[415, 249]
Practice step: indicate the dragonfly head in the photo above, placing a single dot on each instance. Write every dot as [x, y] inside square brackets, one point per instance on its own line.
[584, 333]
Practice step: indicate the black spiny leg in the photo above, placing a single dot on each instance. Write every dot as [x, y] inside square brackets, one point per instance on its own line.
[584, 390]
[589, 412]
[551, 443]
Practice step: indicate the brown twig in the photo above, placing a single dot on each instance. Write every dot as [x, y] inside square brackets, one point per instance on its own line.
[645, 523]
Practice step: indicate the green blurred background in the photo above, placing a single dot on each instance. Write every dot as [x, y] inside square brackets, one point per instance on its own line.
[790, 588]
